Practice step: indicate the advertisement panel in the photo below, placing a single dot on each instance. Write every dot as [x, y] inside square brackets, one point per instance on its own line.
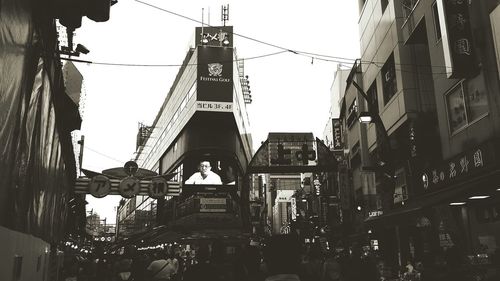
[214, 79]
[212, 205]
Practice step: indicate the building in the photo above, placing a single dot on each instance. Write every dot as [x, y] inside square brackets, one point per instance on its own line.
[426, 180]
[203, 119]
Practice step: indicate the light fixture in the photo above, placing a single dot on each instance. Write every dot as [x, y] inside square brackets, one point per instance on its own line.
[225, 41]
[457, 203]
[479, 197]
[498, 189]
[81, 49]
[359, 208]
[204, 39]
[365, 117]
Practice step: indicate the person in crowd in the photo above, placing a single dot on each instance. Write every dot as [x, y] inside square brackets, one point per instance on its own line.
[368, 267]
[204, 175]
[174, 264]
[331, 268]
[123, 267]
[139, 264]
[313, 269]
[251, 263]
[160, 269]
[282, 256]
[203, 269]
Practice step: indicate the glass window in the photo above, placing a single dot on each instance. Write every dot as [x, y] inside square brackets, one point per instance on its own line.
[437, 27]
[466, 102]
[373, 95]
[457, 115]
[477, 103]
[389, 79]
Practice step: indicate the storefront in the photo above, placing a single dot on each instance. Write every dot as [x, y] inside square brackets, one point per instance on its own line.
[454, 224]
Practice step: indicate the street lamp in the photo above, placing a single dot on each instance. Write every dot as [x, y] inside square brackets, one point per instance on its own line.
[385, 160]
[365, 118]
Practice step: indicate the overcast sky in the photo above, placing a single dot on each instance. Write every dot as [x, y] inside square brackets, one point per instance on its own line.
[291, 92]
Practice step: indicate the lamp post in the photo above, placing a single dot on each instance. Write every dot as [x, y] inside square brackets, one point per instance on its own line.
[385, 161]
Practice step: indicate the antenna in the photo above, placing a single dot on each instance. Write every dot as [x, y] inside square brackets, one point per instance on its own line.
[224, 14]
[202, 15]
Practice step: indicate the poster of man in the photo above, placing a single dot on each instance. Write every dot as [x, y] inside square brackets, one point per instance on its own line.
[204, 175]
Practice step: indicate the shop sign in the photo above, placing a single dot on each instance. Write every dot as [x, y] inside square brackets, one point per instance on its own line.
[157, 188]
[294, 208]
[214, 106]
[212, 205]
[284, 195]
[459, 167]
[456, 32]
[337, 134]
[129, 187]
[375, 213]
[99, 186]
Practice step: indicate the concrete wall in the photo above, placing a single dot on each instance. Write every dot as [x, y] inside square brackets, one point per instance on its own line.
[34, 253]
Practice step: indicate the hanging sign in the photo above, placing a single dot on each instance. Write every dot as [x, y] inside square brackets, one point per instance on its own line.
[158, 188]
[129, 187]
[99, 186]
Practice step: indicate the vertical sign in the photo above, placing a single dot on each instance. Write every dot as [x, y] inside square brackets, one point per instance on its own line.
[459, 54]
[294, 208]
[215, 77]
[337, 134]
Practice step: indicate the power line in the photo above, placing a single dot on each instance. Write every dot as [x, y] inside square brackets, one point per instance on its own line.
[165, 65]
[312, 55]
[104, 155]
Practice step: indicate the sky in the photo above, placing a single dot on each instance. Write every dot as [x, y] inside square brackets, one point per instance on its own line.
[291, 92]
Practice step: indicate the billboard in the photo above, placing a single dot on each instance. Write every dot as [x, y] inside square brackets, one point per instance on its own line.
[214, 79]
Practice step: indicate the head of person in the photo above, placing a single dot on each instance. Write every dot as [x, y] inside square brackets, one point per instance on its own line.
[204, 167]
[282, 254]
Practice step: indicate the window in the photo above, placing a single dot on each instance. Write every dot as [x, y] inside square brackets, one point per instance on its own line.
[384, 4]
[408, 6]
[352, 115]
[437, 27]
[372, 95]
[401, 189]
[389, 79]
[466, 102]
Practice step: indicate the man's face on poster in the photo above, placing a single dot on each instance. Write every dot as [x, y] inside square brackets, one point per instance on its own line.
[204, 168]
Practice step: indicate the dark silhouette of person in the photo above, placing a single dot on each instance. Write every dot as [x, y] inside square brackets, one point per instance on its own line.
[282, 256]
[203, 270]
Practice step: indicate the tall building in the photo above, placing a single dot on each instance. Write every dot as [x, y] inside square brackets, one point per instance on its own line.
[203, 120]
[426, 181]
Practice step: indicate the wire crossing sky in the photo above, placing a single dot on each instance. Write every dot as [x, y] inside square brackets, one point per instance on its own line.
[136, 55]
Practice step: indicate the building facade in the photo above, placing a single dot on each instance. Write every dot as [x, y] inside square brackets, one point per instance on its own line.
[426, 185]
[203, 119]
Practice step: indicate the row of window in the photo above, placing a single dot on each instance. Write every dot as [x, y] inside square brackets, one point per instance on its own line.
[166, 130]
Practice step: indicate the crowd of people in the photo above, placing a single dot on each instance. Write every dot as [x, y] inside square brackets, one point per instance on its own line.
[281, 258]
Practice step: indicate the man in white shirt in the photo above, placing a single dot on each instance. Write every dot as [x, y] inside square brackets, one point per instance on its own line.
[204, 176]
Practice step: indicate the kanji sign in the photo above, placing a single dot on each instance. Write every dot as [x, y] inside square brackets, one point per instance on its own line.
[99, 186]
[129, 187]
[460, 166]
[158, 188]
